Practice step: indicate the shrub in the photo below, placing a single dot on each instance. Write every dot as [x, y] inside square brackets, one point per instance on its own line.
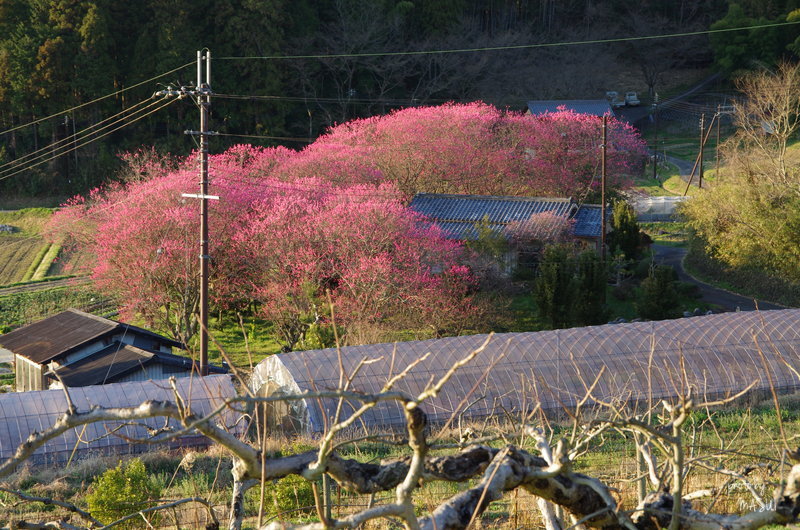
[290, 494]
[554, 288]
[120, 491]
[626, 235]
[658, 297]
[591, 277]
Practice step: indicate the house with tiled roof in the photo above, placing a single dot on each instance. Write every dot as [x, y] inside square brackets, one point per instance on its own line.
[76, 349]
[463, 216]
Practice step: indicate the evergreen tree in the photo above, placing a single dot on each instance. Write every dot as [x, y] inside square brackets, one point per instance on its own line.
[591, 278]
[554, 288]
[658, 297]
[625, 235]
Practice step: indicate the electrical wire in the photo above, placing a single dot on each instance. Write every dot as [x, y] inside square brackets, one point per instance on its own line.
[78, 146]
[97, 99]
[510, 47]
[285, 138]
[18, 161]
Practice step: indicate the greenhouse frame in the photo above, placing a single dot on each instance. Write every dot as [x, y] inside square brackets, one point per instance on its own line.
[716, 355]
[23, 413]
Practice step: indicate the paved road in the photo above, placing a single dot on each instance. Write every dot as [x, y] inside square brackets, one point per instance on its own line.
[726, 300]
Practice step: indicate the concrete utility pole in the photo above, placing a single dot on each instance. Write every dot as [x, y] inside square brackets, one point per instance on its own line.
[603, 192]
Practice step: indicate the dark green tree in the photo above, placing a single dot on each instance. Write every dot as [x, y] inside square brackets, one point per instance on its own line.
[745, 50]
[554, 288]
[625, 236]
[591, 278]
[658, 297]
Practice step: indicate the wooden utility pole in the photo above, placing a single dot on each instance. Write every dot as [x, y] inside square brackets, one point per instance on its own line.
[203, 94]
[603, 192]
[204, 101]
[702, 146]
[718, 116]
[655, 140]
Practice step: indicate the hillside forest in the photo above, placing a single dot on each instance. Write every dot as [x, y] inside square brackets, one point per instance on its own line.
[284, 71]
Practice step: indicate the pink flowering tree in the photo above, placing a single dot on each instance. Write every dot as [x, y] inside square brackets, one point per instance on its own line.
[475, 148]
[562, 153]
[360, 248]
[144, 237]
[292, 244]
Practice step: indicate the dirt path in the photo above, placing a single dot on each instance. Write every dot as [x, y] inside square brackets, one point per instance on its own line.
[726, 300]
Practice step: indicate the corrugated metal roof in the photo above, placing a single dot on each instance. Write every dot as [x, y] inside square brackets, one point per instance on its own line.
[117, 360]
[105, 365]
[64, 332]
[22, 413]
[596, 107]
[519, 370]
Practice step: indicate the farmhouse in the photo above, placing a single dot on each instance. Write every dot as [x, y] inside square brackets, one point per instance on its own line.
[461, 216]
[717, 355]
[83, 349]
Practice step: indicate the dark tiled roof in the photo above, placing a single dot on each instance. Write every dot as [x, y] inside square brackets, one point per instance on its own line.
[456, 215]
[588, 221]
[597, 107]
[61, 334]
[117, 360]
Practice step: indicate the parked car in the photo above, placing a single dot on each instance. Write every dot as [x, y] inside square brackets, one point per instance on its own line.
[632, 99]
[613, 97]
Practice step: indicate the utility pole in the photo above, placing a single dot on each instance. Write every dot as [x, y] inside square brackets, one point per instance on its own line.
[702, 145]
[603, 193]
[203, 94]
[655, 140]
[718, 116]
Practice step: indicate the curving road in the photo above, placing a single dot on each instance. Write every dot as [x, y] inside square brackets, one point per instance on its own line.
[726, 300]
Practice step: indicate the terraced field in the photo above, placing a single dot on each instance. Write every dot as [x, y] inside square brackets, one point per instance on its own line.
[22, 251]
[16, 256]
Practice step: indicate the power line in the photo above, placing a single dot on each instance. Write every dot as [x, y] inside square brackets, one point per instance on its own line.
[18, 161]
[87, 142]
[285, 138]
[95, 100]
[511, 47]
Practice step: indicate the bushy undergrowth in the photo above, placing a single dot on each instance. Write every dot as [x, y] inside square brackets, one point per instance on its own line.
[753, 282]
[122, 490]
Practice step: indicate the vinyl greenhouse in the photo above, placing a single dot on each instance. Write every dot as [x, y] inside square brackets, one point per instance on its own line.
[717, 355]
[22, 413]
